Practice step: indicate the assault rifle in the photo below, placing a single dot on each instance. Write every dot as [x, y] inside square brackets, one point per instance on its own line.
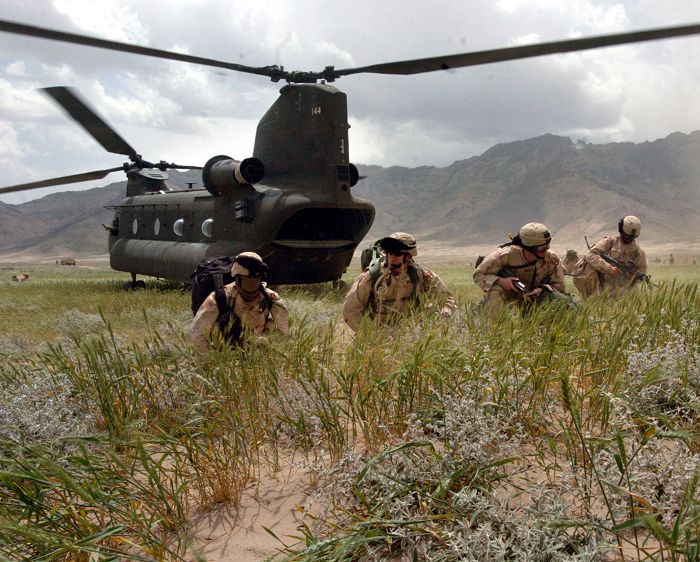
[626, 267]
[518, 284]
[547, 294]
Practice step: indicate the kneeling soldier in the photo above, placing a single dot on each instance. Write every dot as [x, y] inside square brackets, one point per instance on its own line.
[400, 285]
[596, 272]
[520, 271]
[250, 308]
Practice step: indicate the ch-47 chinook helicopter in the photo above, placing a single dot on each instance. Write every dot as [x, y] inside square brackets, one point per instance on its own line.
[291, 202]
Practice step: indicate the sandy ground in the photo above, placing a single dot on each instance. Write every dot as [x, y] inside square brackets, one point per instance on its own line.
[275, 502]
[226, 534]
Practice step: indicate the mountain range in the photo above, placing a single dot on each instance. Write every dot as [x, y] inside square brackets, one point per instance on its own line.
[575, 188]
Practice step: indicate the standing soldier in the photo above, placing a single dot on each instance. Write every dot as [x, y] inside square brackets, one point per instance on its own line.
[250, 308]
[520, 271]
[399, 286]
[594, 273]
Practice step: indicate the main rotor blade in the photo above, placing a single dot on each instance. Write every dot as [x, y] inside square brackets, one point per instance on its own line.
[90, 121]
[75, 178]
[432, 64]
[415, 66]
[33, 31]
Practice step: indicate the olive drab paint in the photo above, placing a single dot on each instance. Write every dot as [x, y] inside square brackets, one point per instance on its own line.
[301, 218]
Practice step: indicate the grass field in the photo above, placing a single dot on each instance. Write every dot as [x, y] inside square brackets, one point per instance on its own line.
[565, 435]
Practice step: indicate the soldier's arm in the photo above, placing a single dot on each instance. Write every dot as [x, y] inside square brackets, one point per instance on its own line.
[558, 279]
[435, 285]
[485, 275]
[203, 322]
[279, 316]
[641, 262]
[356, 301]
[593, 256]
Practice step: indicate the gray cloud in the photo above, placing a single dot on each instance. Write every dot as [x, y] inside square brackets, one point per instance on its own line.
[186, 113]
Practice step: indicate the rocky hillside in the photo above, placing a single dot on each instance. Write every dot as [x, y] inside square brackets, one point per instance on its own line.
[574, 188]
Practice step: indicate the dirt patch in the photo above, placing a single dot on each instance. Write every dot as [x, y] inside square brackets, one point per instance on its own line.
[273, 502]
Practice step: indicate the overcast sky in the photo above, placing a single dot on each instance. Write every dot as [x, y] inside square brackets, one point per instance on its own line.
[186, 113]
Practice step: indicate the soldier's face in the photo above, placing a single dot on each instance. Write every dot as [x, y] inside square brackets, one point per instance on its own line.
[397, 263]
[248, 285]
[539, 251]
[626, 238]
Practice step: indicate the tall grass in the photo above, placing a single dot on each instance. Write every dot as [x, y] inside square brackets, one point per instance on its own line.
[563, 434]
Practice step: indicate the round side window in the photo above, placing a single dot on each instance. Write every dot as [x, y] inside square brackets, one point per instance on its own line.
[135, 226]
[208, 228]
[156, 227]
[179, 227]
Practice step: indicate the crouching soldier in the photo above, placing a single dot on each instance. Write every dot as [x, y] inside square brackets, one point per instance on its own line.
[248, 308]
[398, 286]
[613, 264]
[521, 271]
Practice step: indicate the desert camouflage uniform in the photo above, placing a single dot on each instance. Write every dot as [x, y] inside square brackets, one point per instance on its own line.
[570, 261]
[594, 275]
[205, 328]
[390, 296]
[547, 269]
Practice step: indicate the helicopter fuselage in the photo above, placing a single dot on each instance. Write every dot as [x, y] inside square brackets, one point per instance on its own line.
[302, 219]
[302, 239]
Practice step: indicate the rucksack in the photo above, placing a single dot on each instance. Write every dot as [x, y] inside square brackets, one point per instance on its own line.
[211, 276]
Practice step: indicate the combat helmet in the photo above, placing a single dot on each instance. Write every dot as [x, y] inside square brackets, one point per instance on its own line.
[399, 243]
[249, 264]
[533, 234]
[630, 226]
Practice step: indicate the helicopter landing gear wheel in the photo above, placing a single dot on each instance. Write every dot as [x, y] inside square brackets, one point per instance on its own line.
[134, 284]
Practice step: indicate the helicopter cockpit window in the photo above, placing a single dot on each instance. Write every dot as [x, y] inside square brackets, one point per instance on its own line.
[135, 226]
[156, 227]
[179, 227]
[208, 228]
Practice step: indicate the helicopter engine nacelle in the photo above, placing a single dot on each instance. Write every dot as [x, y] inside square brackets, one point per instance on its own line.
[223, 173]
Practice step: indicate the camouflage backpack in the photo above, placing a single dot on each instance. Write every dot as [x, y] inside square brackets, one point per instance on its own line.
[211, 276]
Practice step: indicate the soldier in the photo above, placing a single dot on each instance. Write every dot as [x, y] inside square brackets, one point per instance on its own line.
[593, 274]
[570, 260]
[520, 271]
[399, 286]
[252, 307]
